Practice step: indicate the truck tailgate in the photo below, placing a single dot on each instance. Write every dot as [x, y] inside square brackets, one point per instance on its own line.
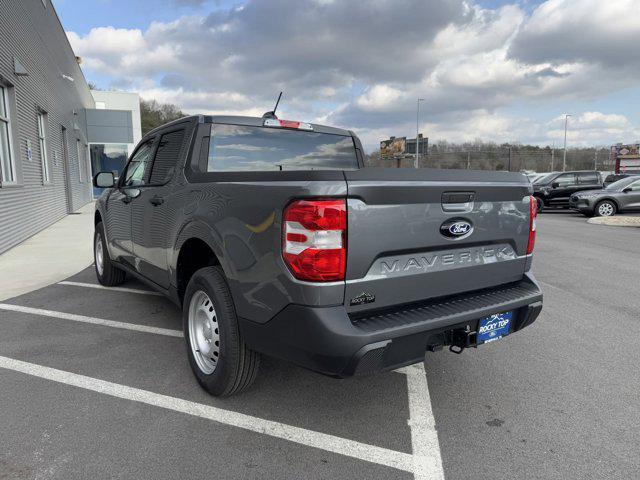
[400, 247]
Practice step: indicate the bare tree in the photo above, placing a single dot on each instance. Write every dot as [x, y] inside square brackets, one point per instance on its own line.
[154, 114]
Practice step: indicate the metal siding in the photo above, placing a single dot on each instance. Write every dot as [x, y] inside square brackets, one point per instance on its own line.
[33, 34]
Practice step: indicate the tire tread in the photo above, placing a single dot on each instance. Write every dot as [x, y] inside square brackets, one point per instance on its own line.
[247, 365]
[112, 276]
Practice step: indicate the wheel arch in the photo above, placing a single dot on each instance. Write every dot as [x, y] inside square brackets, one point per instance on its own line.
[611, 199]
[195, 248]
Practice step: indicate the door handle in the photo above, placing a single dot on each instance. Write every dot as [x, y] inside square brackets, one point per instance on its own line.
[156, 201]
[457, 202]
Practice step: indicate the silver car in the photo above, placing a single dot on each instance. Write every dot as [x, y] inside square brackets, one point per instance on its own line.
[620, 196]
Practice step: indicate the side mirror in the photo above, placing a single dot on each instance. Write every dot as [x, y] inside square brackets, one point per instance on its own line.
[104, 180]
[555, 184]
[627, 190]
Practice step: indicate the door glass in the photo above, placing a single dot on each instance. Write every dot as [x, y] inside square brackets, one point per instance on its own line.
[588, 178]
[138, 169]
[635, 186]
[166, 158]
[566, 180]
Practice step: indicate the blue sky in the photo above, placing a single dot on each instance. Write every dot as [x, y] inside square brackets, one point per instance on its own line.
[497, 69]
[82, 15]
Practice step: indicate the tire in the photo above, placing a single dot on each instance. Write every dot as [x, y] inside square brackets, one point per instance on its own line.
[540, 203]
[219, 358]
[108, 274]
[605, 208]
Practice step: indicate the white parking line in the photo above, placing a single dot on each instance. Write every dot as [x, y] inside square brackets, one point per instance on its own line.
[113, 289]
[310, 438]
[92, 320]
[427, 460]
[424, 463]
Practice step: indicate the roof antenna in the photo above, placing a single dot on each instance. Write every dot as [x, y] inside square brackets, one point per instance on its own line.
[272, 113]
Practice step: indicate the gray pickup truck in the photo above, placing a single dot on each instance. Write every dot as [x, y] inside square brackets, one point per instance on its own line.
[274, 239]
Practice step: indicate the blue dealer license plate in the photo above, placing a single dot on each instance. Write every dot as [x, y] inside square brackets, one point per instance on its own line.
[494, 327]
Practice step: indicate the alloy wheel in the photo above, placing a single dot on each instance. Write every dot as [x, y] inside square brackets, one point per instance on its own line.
[605, 209]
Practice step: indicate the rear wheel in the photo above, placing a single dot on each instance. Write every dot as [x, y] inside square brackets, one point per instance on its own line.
[108, 274]
[219, 358]
[605, 208]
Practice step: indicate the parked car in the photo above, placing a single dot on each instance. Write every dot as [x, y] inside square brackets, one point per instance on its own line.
[614, 177]
[620, 196]
[274, 239]
[535, 176]
[555, 189]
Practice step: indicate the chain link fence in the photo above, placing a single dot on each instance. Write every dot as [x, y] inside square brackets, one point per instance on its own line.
[513, 159]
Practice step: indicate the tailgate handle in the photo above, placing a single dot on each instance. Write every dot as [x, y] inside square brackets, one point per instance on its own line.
[458, 202]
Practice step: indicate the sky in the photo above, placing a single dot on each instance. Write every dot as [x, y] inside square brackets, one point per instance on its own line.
[496, 70]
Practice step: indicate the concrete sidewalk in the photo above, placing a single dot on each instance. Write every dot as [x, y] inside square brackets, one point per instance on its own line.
[56, 253]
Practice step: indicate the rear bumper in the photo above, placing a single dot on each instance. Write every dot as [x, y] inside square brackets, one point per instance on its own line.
[330, 341]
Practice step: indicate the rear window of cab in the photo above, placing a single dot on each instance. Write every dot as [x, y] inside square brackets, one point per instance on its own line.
[237, 148]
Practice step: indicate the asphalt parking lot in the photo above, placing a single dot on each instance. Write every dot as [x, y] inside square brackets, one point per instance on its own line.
[95, 384]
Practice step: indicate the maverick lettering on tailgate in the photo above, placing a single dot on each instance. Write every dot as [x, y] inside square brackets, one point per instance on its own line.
[436, 261]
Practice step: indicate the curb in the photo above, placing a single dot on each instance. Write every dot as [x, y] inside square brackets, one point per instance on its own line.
[616, 221]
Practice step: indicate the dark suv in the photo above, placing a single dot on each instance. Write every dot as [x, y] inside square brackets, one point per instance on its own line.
[555, 189]
[274, 239]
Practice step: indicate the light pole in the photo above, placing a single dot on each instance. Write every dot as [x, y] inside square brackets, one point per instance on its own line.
[417, 160]
[564, 154]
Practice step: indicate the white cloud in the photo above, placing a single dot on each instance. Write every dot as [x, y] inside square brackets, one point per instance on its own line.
[591, 127]
[104, 42]
[379, 98]
[362, 65]
[593, 31]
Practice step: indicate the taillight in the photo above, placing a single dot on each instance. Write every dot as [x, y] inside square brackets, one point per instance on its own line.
[533, 213]
[314, 239]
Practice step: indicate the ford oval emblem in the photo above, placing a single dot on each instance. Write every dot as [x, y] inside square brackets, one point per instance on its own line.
[456, 228]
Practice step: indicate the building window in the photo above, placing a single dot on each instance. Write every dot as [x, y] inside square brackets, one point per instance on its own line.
[80, 162]
[7, 166]
[42, 137]
[87, 162]
[107, 158]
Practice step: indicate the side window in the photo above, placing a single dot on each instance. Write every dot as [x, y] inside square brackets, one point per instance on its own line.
[42, 140]
[138, 168]
[7, 165]
[167, 155]
[565, 180]
[635, 186]
[81, 164]
[588, 178]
